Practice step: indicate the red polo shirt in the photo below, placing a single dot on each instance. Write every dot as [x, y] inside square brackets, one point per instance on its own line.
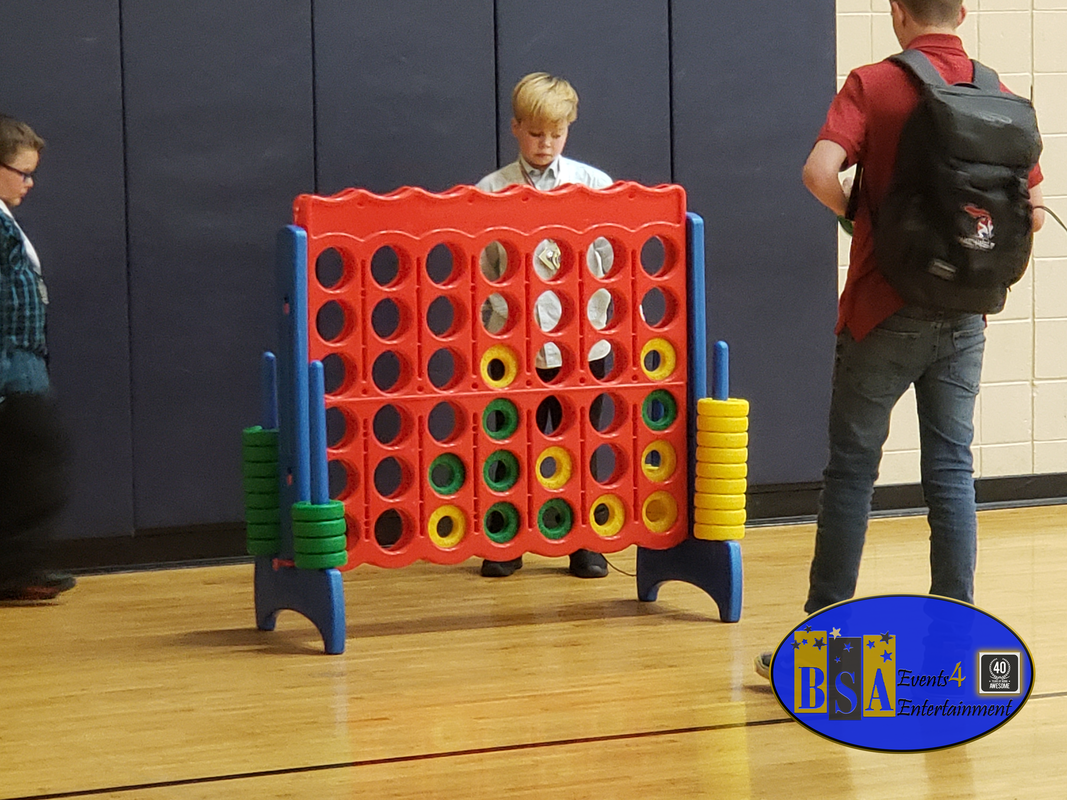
[866, 118]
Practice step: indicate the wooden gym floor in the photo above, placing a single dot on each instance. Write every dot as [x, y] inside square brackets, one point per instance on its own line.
[157, 685]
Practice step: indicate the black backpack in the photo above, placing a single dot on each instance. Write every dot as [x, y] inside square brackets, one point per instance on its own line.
[955, 229]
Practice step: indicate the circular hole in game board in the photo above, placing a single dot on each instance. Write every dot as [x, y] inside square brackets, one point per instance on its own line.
[440, 316]
[386, 371]
[385, 318]
[601, 514]
[333, 372]
[495, 313]
[444, 527]
[548, 468]
[654, 308]
[653, 359]
[602, 360]
[389, 529]
[547, 259]
[329, 268]
[600, 257]
[439, 264]
[548, 310]
[384, 266]
[388, 424]
[600, 309]
[337, 479]
[549, 416]
[602, 413]
[496, 369]
[493, 261]
[654, 459]
[330, 321]
[336, 426]
[442, 422]
[441, 368]
[653, 256]
[548, 363]
[388, 477]
[603, 464]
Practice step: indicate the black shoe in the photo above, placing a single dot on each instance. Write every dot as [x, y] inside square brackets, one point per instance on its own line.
[45, 587]
[587, 564]
[500, 569]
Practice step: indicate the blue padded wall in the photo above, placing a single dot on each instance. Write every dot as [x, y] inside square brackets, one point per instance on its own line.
[60, 72]
[752, 82]
[404, 93]
[219, 142]
[616, 57]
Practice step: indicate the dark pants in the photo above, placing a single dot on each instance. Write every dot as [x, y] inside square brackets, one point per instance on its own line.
[33, 451]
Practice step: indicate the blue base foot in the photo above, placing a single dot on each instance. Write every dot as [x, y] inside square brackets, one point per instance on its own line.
[316, 593]
[712, 566]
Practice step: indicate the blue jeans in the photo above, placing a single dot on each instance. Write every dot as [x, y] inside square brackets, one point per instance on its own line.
[942, 355]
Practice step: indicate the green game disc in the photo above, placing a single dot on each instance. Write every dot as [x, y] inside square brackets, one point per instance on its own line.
[309, 512]
[324, 561]
[319, 545]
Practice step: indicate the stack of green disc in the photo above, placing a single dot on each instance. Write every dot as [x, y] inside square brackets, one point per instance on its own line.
[319, 540]
[259, 469]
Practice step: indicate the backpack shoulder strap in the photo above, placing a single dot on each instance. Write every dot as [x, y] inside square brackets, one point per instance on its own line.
[916, 62]
[985, 78]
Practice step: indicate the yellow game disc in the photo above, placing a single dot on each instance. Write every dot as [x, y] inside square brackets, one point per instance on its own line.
[720, 485]
[722, 471]
[722, 455]
[722, 424]
[563, 469]
[616, 515]
[719, 533]
[500, 366]
[725, 502]
[667, 458]
[734, 407]
[715, 439]
[668, 360]
[659, 512]
[718, 516]
[455, 524]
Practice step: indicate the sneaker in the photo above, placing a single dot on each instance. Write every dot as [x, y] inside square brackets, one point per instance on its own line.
[47, 587]
[763, 665]
[500, 569]
[587, 564]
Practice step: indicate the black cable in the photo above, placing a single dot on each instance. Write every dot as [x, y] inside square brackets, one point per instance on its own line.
[1053, 215]
[624, 572]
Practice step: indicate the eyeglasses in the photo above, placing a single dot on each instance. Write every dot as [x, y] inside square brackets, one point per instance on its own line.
[26, 176]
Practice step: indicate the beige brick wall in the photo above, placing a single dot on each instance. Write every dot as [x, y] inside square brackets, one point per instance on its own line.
[1021, 418]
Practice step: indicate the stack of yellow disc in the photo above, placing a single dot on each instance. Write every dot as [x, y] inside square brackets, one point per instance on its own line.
[721, 469]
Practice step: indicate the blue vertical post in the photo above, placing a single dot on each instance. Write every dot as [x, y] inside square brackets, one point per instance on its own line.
[318, 594]
[720, 372]
[268, 382]
[320, 485]
[713, 566]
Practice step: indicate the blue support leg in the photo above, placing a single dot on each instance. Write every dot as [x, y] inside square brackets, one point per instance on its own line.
[317, 594]
[712, 566]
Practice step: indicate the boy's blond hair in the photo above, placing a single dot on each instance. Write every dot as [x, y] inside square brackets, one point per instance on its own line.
[541, 97]
[16, 136]
[933, 12]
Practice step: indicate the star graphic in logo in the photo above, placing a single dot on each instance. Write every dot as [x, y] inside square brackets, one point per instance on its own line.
[848, 647]
[886, 656]
[796, 645]
[885, 637]
[807, 629]
[835, 632]
[819, 643]
[870, 645]
[837, 660]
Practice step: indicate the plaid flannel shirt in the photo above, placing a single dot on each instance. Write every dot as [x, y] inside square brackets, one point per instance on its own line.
[22, 309]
